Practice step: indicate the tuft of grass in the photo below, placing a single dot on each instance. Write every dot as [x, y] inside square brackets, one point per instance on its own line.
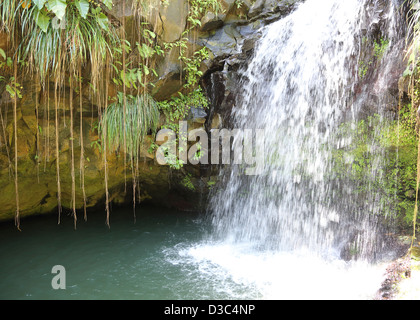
[47, 47]
[9, 14]
[142, 117]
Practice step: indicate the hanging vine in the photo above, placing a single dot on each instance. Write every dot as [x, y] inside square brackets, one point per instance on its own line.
[105, 139]
[73, 178]
[82, 147]
[17, 216]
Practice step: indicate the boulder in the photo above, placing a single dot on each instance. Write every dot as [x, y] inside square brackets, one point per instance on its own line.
[211, 21]
[174, 20]
[263, 9]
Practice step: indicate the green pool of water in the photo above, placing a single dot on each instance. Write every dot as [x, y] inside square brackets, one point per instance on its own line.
[127, 261]
[165, 255]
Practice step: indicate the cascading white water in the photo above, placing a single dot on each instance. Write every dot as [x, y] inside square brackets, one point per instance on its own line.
[300, 87]
[308, 224]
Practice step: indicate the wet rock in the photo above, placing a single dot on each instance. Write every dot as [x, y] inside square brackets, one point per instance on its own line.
[256, 8]
[415, 253]
[168, 85]
[119, 11]
[394, 273]
[263, 9]
[217, 121]
[238, 12]
[174, 20]
[211, 21]
[197, 115]
[224, 42]
[4, 40]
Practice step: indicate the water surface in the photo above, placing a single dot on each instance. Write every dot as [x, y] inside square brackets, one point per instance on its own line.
[166, 254]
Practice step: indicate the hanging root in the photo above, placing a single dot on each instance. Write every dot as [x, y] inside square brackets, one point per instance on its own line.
[124, 98]
[105, 147]
[5, 144]
[418, 173]
[57, 153]
[17, 215]
[37, 130]
[133, 173]
[47, 136]
[82, 149]
[73, 179]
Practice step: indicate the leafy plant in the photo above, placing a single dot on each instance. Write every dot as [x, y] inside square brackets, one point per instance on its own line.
[187, 183]
[377, 52]
[12, 86]
[142, 116]
[394, 143]
[86, 35]
[177, 108]
[137, 72]
[380, 48]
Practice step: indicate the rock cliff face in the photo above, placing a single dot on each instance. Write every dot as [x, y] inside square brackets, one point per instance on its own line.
[229, 36]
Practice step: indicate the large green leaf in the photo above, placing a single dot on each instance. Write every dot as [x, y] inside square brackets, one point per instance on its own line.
[102, 20]
[83, 7]
[107, 3]
[39, 3]
[58, 7]
[42, 20]
[2, 53]
[407, 72]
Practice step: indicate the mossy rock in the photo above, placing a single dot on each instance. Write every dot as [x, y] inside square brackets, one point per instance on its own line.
[415, 253]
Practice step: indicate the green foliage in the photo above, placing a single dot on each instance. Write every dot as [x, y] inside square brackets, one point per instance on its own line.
[153, 147]
[199, 153]
[187, 183]
[136, 73]
[58, 7]
[9, 13]
[178, 107]
[198, 8]
[12, 86]
[211, 183]
[86, 35]
[380, 48]
[142, 116]
[394, 144]
[192, 66]
[378, 51]
[83, 7]
[363, 68]
[238, 4]
[176, 110]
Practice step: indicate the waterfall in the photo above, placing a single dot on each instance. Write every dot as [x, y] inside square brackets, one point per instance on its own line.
[309, 83]
[313, 222]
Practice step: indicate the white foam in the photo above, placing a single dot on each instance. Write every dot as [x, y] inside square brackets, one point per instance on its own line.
[283, 275]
